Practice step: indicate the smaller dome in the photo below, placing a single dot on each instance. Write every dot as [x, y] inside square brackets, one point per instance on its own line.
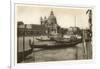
[45, 18]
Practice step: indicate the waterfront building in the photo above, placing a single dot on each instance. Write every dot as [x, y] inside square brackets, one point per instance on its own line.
[48, 26]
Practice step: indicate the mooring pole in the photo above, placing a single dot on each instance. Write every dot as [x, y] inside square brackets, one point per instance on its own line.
[24, 43]
[84, 45]
[76, 54]
[33, 50]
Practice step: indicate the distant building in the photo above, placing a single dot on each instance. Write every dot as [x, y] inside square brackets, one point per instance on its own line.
[20, 28]
[50, 24]
[74, 30]
[38, 30]
[47, 27]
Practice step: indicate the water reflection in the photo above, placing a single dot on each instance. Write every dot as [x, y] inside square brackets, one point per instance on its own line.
[50, 54]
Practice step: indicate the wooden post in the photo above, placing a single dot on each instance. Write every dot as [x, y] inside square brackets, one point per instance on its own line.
[24, 43]
[76, 54]
[33, 50]
[84, 45]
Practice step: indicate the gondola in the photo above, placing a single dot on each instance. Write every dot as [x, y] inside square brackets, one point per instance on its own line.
[45, 39]
[55, 44]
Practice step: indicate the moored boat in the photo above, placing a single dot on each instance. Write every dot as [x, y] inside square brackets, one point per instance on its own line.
[56, 43]
[45, 39]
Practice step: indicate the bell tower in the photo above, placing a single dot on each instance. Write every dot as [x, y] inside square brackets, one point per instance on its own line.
[41, 20]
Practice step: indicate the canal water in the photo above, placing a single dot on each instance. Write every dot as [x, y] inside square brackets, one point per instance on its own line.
[56, 54]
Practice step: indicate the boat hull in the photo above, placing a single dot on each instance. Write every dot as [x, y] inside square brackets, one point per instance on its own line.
[56, 44]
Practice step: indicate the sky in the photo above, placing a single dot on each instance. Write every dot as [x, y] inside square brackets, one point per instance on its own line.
[65, 16]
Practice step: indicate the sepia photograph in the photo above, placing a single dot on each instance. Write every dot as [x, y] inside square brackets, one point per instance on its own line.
[52, 33]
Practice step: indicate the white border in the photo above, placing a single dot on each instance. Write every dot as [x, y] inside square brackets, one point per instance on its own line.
[32, 65]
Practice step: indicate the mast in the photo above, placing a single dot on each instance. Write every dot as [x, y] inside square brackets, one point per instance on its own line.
[75, 24]
[75, 21]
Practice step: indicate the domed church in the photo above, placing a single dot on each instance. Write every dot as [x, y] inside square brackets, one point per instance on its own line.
[50, 24]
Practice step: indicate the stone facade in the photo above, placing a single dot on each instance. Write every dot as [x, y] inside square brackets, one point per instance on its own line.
[50, 23]
[48, 27]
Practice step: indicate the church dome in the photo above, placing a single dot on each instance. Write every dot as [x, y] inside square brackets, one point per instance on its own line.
[52, 18]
